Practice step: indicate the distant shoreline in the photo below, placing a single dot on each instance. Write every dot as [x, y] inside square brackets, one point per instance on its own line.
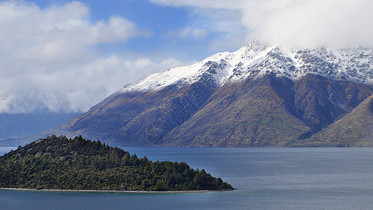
[112, 191]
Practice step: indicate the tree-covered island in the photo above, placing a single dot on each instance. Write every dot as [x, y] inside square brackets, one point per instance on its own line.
[79, 164]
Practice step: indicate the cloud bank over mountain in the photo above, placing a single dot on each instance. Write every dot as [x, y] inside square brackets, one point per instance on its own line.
[49, 57]
[298, 23]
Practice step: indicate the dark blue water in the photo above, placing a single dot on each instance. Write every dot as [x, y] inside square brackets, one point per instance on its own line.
[266, 178]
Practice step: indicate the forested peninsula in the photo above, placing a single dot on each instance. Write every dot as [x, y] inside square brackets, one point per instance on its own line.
[79, 164]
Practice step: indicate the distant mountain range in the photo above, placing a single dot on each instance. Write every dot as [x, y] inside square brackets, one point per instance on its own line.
[14, 127]
[257, 96]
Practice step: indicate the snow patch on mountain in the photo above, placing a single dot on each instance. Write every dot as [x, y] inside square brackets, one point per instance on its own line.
[257, 59]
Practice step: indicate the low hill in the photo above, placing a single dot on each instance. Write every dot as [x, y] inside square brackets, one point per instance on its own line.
[79, 164]
[355, 129]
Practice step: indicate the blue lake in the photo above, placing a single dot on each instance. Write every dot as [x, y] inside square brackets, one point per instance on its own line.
[265, 178]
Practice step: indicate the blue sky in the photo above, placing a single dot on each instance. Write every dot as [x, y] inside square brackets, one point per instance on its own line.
[66, 56]
[164, 25]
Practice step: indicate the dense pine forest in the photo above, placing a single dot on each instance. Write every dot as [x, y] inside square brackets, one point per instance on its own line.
[79, 164]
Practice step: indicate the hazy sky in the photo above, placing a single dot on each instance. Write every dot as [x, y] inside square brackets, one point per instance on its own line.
[66, 55]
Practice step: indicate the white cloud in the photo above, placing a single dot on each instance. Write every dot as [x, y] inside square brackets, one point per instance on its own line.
[76, 88]
[335, 23]
[116, 28]
[56, 32]
[47, 57]
[303, 23]
[218, 20]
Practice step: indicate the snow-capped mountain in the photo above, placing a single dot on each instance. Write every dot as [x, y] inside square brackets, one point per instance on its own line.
[259, 95]
[257, 59]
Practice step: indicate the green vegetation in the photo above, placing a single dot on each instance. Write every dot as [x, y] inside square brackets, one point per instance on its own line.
[79, 164]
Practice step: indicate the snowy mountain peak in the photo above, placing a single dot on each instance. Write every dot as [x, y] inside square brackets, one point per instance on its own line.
[256, 59]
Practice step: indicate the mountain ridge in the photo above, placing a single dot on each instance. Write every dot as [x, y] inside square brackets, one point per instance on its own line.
[257, 96]
[352, 64]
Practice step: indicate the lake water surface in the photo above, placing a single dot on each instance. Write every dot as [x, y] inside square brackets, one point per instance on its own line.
[265, 178]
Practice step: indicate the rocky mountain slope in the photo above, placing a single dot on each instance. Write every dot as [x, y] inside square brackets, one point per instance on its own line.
[354, 129]
[257, 96]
